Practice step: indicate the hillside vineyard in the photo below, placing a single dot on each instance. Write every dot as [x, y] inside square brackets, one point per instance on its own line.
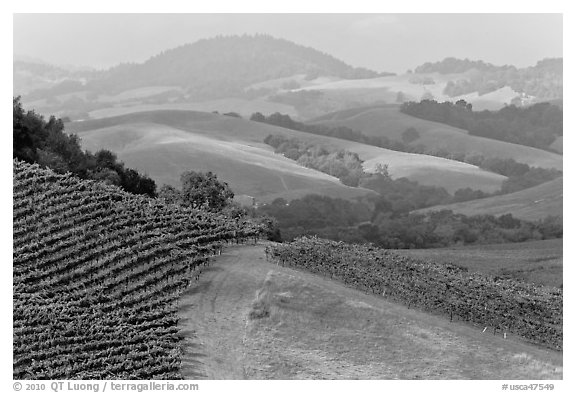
[97, 276]
[527, 310]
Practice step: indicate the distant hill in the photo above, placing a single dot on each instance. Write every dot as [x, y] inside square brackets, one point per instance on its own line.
[165, 143]
[260, 72]
[531, 204]
[240, 67]
[542, 81]
[484, 85]
[35, 76]
[388, 121]
[223, 67]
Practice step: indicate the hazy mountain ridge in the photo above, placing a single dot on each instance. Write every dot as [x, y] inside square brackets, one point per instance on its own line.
[309, 81]
[221, 66]
[542, 81]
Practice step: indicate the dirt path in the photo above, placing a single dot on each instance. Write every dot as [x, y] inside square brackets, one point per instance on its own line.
[321, 329]
[215, 312]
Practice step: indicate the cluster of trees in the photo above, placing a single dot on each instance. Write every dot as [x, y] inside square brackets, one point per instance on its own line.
[375, 220]
[543, 81]
[340, 132]
[200, 191]
[520, 176]
[36, 140]
[537, 125]
[342, 164]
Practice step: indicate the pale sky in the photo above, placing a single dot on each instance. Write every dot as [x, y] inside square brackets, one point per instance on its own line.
[382, 42]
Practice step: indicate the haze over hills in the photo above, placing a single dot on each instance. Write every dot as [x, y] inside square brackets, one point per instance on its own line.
[260, 72]
[221, 66]
[245, 207]
[388, 121]
[230, 143]
[247, 74]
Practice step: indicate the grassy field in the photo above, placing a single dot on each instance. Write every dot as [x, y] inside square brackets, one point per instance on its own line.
[388, 121]
[165, 152]
[538, 262]
[530, 204]
[244, 107]
[252, 319]
[106, 132]
[387, 88]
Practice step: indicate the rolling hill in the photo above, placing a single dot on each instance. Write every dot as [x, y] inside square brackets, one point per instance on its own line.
[260, 320]
[388, 121]
[531, 204]
[165, 143]
[97, 274]
[538, 262]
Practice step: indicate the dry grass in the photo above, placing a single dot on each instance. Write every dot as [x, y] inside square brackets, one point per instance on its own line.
[538, 262]
[390, 122]
[222, 129]
[311, 332]
[530, 204]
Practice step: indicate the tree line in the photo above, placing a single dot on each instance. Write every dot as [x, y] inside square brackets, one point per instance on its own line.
[537, 125]
[36, 140]
[520, 175]
[376, 220]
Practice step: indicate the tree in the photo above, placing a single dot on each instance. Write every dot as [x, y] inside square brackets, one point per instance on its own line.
[410, 135]
[258, 117]
[382, 170]
[204, 191]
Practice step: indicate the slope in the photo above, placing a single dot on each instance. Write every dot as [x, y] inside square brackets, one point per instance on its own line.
[538, 262]
[253, 319]
[97, 273]
[219, 66]
[388, 121]
[241, 141]
[164, 152]
[531, 204]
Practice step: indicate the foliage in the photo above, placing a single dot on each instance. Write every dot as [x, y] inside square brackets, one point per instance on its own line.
[200, 191]
[224, 66]
[342, 164]
[530, 311]
[410, 135]
[520, 175]
[45, 142]
[537, 125]
[97, 276]
[543, 81]
[386, 220]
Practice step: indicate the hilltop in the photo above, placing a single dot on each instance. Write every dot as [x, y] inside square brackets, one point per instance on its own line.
[222, 66]
[227, 144]
[387, 120]
[542, 81]
[530, 204]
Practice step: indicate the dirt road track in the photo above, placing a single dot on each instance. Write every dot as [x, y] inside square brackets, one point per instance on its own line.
[219, 305]
[214, 321]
